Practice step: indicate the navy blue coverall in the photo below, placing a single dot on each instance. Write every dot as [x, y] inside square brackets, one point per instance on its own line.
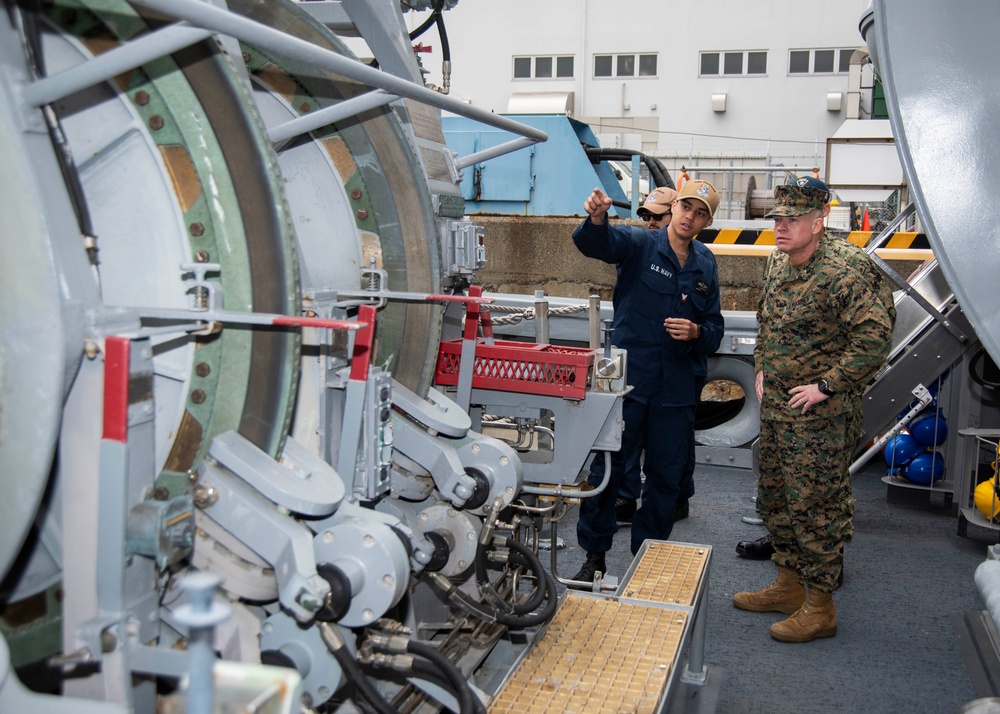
[665, 373]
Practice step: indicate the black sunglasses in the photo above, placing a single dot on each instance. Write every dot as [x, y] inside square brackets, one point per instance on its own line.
[650, 216]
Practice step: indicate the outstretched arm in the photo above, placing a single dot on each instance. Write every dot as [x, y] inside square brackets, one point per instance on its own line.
[596, 206]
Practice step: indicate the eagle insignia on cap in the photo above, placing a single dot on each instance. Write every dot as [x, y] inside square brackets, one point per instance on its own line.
[703, 190]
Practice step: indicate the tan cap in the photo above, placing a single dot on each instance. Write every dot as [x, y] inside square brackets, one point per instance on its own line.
[658, 201]
[700, 191]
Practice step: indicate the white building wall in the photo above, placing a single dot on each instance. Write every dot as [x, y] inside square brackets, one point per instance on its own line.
[774, 115]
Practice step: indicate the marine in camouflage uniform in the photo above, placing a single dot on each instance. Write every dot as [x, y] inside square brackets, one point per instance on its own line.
[826, 321]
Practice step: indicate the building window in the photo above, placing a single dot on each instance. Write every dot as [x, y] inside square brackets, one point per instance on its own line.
[542, 67]
[756, 62]
[709, 63]
[647, 65]
[734, 63]
[824, 61]
[625, 65]
[845, 61]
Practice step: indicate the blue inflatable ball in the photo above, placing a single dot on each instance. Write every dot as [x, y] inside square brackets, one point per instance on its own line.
[930, 429]
[901, 450]
[925, 469]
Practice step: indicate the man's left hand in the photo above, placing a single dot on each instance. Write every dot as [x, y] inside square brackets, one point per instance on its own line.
[805, 396]
[681, 329]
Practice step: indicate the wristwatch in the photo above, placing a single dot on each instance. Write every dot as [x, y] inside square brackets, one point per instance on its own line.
[824, 388]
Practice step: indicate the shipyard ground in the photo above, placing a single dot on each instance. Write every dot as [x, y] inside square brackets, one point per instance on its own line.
[907, 572]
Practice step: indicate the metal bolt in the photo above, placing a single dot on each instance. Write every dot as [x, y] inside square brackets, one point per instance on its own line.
[198, 396]
[156, 122]
[362, 214]
[246, 57]
[304, 107]
[142, 97]
[160, 493]
[109, 641]
[356, 193]
[192, 476]
[197, 229]
[308, 601]
[203, 369]
[91, 349]
[204, 495]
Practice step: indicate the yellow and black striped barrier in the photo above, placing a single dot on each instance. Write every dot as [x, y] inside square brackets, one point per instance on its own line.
[750, 242]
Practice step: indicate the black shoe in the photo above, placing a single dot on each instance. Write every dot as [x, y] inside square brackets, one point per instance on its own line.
[760, 549]
[625, 508]
[594, 562]
[681, 510]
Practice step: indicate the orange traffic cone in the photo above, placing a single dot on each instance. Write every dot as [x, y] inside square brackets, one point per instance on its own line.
[866, 224]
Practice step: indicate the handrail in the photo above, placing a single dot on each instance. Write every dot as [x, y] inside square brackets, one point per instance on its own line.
[222, 21]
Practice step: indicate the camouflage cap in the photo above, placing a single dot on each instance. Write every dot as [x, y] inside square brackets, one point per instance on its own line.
[799, 198]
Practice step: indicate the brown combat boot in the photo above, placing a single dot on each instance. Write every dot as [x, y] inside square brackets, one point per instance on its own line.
[816, 618]
[786, 594]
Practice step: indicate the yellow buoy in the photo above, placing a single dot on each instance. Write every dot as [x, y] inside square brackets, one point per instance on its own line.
[986, 500]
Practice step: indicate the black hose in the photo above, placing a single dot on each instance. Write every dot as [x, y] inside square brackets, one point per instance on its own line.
[515, 615]
[426, 24]
[657, 171]
[443, 34]
[467, 701]
[540, 617]
[31, 35]
[531, 561]
[338, 649]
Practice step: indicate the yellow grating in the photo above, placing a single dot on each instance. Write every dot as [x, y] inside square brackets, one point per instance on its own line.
[596, 655]
[668, 573]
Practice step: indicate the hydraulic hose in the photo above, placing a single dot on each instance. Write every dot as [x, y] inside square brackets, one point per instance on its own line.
[657, 170]
[533, 564]
[431, 19]
[338, 648]
[468, 702]
[515, 617]
[31, 44]
[540, 617]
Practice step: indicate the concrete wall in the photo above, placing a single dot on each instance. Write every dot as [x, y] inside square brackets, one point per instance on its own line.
[527, 253]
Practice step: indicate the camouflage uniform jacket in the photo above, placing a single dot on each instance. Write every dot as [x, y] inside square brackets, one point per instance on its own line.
[830, 318]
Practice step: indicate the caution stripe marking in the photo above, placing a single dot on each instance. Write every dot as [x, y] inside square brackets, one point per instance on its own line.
[743, 236]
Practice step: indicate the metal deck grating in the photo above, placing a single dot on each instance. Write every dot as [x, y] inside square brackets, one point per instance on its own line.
[668, 573]
[597, 655]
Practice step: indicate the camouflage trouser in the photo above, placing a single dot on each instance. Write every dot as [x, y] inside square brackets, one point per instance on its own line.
[804, 494]
[854, 420]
